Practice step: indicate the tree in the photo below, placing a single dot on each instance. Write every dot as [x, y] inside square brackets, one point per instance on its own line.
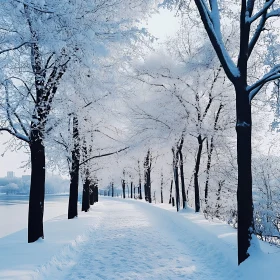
[139, 187]
[112, 186]
[176, 177]
[161, 188]
[250, 34]
[147, 176]
[123, 184]
[74, 171]
[57, 35]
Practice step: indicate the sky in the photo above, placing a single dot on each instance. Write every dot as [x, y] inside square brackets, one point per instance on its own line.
[161, 25]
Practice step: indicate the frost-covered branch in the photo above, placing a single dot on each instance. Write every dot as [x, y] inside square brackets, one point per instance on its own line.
[212, 26]
[16, 134]
[21, 124]
[257, 34]
[14, 48]
[103, 155]
[261, 12]
[273, 74]
[273, 13]
[26, 86]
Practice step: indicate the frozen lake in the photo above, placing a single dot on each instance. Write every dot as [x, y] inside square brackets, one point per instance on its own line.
[14, 211]
[23, 199]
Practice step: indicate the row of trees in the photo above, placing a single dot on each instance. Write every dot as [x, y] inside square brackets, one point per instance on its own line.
[78, 84]
[44, 46]
[194, 83]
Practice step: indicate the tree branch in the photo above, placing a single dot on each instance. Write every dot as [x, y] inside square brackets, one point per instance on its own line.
[103, 155]
[261, 12]
[17, 135]
[14, 48]
[212, 29]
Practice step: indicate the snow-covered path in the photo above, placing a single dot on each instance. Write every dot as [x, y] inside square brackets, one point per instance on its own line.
[127, 239]
[135, 240]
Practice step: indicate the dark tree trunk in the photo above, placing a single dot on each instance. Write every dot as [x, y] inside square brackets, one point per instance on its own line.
[196, 171]
[170, 198]
[209, 158]
[177, 192]
[173, 201]
[131, 187]
[218, 205]
[176, 177]
[210, 152]
[123, 188]
[147, 177]
[140, 190]
[181, 162]
[74, 173]
[112, 189]
[85, 199]
[145, 190]
[140, 187]
[96, 193]
[91, 193]
[161, 189]
[37, 186]
[86, 183]
[149, 186]
[244, 189]
[73, 194]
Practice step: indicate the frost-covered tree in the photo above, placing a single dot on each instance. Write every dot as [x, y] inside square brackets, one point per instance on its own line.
[252, 17]
[56, 35]
[182, 105]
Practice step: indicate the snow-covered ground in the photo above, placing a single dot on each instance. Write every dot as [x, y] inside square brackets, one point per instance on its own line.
[14, 211]
[128, 239]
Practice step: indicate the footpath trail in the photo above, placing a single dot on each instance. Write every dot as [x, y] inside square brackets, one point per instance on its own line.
[135, 240]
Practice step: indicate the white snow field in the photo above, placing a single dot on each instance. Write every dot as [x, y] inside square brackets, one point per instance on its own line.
[128, 239]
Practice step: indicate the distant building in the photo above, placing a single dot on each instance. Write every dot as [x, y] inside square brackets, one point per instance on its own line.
[10, 174]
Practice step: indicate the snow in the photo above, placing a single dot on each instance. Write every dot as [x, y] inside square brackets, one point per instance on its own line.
[14, 216]
[128, 239]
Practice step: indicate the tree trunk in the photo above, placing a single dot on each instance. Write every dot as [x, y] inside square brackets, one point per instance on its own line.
[177, 193]
[73, 193]
[170, 198]
[37, 186]
[149, 185]
[147, 176]
[244, 189]
[218, 205]
[181, 162]
[176, 176]
[96, 193]
[74, 173]
[112, 189]
[85, 199]
[131, 187]
[210, 152]
[91, 193]
[140, 190]
[123, 188]
[197, 165]
[209, 158]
